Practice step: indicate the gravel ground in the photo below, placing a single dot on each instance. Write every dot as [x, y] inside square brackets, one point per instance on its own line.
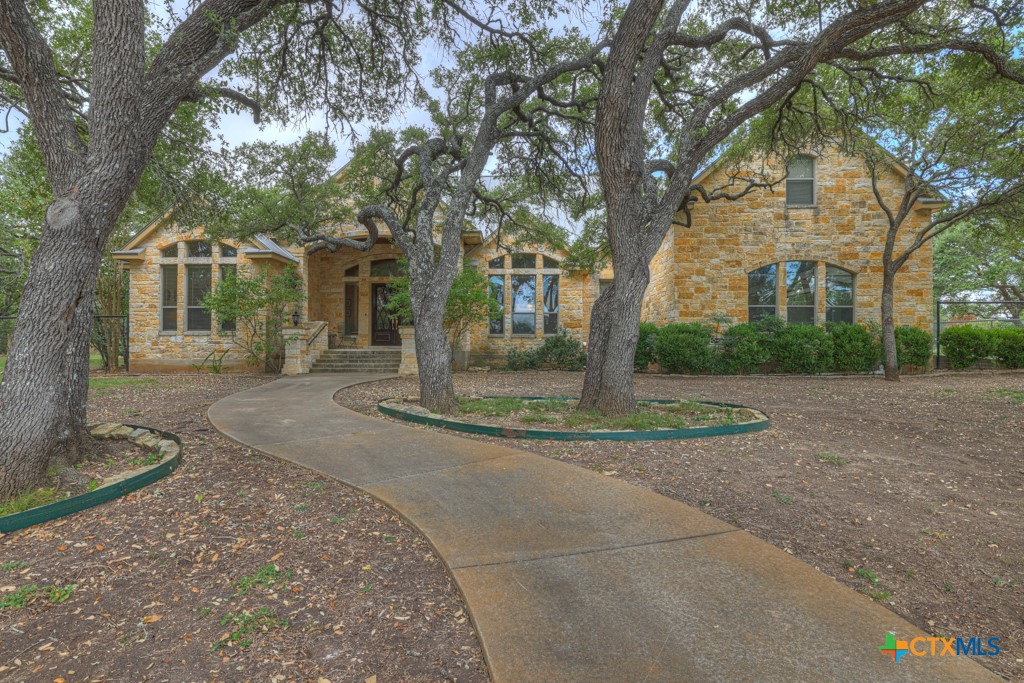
[237, 567]
[910, 492]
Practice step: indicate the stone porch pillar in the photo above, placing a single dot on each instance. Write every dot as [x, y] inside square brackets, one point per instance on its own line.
[302, 346]
[408, 366]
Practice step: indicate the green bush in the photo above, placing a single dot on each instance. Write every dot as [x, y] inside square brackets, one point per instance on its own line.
[1008, 346]
[745, 348]
[805, 349]
[913, 347]
[560, 352]
[965, 345]
[684, 348]
[855, 348]
[645, 346]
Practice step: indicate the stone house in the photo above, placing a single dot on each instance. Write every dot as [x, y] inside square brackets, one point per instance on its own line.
[809, 252]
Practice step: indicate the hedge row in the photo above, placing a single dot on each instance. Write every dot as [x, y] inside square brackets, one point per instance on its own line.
[771, 344]
[964, 346]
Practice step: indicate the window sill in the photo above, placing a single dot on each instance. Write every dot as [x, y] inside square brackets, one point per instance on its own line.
[198, 333]
[801, 206]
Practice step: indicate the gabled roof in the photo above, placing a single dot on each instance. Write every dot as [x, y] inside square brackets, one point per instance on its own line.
[264, 247]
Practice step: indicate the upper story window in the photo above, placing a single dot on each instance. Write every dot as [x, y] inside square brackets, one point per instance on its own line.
[800, 190]
[838, 295]
[524, 260]
[353, 271]
[496, 263]
[762, 292]
[548, 262]
[228, 251]
[387, 267]
[199, 249]
[801, 291]
[170, 251]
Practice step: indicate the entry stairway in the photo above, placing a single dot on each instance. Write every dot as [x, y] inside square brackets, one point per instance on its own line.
[384, 360]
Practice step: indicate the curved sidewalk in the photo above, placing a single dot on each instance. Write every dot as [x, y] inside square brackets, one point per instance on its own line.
[570, 575]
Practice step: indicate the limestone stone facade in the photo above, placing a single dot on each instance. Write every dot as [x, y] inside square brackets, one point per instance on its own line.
[822, 257]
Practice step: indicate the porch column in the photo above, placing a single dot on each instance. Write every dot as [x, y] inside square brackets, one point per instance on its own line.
[408, 366]
[302, 346]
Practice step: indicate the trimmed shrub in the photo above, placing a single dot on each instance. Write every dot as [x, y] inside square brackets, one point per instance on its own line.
[745, 348]
[562, 352]
[855, 348]
[913, 347]
[559, 352]
[684, 348]
[1008, 346]
[805, 349]
[645, 346]
[965, 345]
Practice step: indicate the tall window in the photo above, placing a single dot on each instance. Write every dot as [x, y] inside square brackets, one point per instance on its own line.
[550, 304]
[762, 292]
[800, 182]
[838, 295]
[169, 297]
[800, 291]
[497, 323]
[524, 304]
[351, 327]
[197, 286]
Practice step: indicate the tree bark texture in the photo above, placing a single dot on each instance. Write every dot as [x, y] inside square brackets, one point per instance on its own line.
[889, 359]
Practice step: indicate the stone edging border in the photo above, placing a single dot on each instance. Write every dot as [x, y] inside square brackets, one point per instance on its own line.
[400, 410]
[169, 445]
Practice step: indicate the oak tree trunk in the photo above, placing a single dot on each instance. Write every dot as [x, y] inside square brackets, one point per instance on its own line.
[43, 395]
[889, 359]
[434, 354]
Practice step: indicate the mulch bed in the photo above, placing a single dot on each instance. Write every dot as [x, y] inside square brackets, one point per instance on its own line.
[312, 581]
[910, 492]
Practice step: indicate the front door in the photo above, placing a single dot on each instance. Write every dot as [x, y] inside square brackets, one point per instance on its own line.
[385, 326]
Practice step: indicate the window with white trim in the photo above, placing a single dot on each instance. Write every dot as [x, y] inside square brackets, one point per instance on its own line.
[800, 190]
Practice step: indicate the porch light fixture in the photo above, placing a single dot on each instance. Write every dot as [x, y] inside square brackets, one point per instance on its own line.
[295, 317]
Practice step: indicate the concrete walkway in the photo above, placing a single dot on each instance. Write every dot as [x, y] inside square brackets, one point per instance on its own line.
[570, 575]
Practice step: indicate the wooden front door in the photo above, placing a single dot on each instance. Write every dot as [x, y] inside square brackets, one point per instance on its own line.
[385, 327]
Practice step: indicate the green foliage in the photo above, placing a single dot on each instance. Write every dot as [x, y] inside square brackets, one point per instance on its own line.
[685, 348]
[1008, 346]
[856, 348]
[260, 305]
[269, 575]
[745, 348]
[645, 346]
[28, 500]
[913, 347]
[499, 406]
[965, 345]
[804, 349]
[469, 301]
[561, 351]
[247, 623]
[25, 595]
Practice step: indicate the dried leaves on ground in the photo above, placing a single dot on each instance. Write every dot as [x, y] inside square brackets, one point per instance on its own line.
[236, 567]
[911, 493]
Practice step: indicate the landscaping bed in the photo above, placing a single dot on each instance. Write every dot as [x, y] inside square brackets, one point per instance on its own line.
[908, 492]
[236, 567]
[532, 417]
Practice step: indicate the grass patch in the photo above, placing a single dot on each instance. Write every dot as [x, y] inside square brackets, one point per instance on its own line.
[558, 413]
[246, 624]
[13, 566]
[268, 576]
[103, 384]
[1016, 397]
[877, 595]
[783, 498]
[830, 458]
[28, 594]
[29, 500]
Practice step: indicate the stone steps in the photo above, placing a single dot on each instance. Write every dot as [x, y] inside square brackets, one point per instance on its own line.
[384, 361]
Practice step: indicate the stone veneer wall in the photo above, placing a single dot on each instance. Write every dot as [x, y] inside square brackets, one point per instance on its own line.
[153, 350]
[728, 239]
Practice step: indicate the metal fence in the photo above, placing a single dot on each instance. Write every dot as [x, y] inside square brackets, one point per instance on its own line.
[986, 314]
[108, 346]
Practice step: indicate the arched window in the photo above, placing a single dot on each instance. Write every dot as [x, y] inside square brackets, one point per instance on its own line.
[199, 249]
[387, 267]
[800, 190]
[762, 292]
[228, 251]
[170, 251]
[530, 272]
[801, 290]
[838, 295]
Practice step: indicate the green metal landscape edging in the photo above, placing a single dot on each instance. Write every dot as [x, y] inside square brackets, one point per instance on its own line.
[555, 435]
[105, 493]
